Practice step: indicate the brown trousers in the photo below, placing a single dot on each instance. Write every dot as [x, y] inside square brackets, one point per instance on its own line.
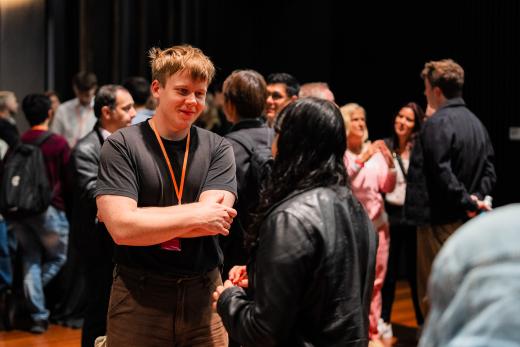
[430, 239]
[154, 310]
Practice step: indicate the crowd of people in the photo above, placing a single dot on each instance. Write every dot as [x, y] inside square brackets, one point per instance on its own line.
[180, 216]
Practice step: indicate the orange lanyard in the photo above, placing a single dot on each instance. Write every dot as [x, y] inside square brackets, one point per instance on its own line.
[40, 127]
[178, 191]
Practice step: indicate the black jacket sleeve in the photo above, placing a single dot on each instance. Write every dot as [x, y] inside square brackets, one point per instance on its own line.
[488, 178]
[284, 264]
[9, 133]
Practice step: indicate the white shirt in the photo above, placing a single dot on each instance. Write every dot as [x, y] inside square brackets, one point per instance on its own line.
[142, 115]
[105, 133]
[397, 196]
[73, 120]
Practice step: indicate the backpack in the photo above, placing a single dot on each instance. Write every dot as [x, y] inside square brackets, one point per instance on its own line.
[254, 175]
[24, 185]
[260, 160]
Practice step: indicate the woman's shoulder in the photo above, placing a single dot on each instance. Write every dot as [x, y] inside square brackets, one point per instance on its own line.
[313, 209]
[304, 203]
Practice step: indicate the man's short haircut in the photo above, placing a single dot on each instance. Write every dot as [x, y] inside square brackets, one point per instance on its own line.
[165, 63]
[445, 74]
[316, 89]
[50, 93]
[36, 108]
[246, 90]
[292, 86]
[4, 95]
[84, 81]
[139, 88]
[106, 96]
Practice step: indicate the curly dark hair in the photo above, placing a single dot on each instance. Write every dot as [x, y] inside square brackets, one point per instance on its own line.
[311, 142]
[445, 74]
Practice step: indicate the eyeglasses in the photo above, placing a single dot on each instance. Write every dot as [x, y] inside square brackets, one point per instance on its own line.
[276, 96]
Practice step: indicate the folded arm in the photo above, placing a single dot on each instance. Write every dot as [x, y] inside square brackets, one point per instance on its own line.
[144, 226]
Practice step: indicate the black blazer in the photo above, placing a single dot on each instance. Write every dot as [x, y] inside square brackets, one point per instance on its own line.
[87, 235]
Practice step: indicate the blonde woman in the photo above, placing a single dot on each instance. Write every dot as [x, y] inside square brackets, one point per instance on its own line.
[371, 170]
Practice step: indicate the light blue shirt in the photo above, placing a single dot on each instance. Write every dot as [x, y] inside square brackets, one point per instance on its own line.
[142, 115]
[475, 284]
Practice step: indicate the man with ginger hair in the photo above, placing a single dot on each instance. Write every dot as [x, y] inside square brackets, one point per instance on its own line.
[164, 191]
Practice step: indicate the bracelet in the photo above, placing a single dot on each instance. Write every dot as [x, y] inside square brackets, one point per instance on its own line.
[359, 163]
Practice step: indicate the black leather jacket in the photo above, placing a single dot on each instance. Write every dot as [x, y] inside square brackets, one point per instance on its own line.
[311, 276]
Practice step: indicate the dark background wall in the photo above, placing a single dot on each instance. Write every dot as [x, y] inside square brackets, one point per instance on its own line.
[370, 52]
[22, 47]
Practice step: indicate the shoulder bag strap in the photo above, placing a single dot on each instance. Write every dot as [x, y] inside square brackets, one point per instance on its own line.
[401, 165]
[42, 138]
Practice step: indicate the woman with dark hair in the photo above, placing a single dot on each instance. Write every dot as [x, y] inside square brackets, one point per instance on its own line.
[312, 261]
[407, 124]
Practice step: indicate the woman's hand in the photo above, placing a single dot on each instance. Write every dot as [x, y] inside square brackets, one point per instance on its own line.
[380, 145]
[218, 291]
[238, 276]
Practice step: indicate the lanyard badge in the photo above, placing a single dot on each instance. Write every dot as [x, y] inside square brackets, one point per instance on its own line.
[175, 243]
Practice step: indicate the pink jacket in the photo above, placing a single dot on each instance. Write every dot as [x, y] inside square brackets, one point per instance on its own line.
[369, 181]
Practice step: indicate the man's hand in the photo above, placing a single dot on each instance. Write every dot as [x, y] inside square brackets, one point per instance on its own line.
[145, 226]
[214, 213]
[218, 291]
[213, 218]
[481, 206]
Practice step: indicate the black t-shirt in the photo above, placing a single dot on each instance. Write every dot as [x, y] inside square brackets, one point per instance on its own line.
[132, 165]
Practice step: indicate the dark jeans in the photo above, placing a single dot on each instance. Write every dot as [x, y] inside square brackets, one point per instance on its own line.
[403, 245]
[154, 310]
[6, 272]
